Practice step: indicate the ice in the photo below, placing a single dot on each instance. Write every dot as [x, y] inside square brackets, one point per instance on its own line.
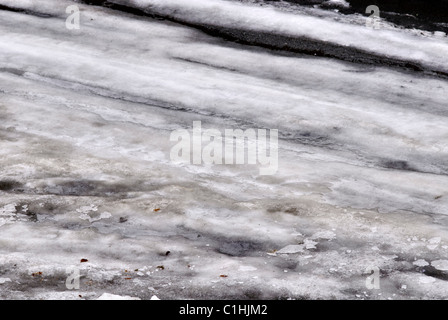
[247, 268]
[435, 240]
[290, 249]
[109, 296]
[85, 171]
[326, 235]
[251, 17]
[441, 265]
[426, 280]
[8, 210]
[310, 244]
[103, 215]
[341, 3]
[420, 263]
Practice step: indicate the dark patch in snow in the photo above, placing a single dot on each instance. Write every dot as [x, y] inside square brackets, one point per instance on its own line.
[8, 185]
[397, 165]
[239, 248]
[29, 12]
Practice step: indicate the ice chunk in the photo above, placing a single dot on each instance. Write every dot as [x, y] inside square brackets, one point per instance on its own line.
[340, 3]
[420, 263]
[4, 280]
[109, 296]
[327, 235]
[292, 248]
[86, 209]
[8, 210]
[441, 265]
[104, 215]
[433, 243]
[310, 244]
[435, 240]
[426, 279]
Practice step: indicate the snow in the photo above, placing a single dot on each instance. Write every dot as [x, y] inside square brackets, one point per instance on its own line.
[435, 240]
[109, 296]
[327, 235]
[247, 268]
[441, 265]
[426, 280]
[251, 17]
[310, 244]
[289, 249]
[420, 263]
[85, 121]
[341, 3]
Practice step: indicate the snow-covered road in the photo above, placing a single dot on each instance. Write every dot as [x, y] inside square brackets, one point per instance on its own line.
[85, 169]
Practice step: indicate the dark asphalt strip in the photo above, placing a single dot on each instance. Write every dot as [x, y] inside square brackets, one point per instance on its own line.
[18, 10]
